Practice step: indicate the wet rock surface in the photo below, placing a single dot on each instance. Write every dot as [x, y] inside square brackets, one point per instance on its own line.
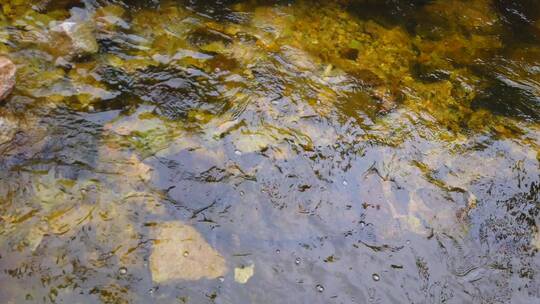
[8, 72]
[74, 39]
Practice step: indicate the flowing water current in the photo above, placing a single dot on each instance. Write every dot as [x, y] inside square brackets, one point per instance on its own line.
[346, 151]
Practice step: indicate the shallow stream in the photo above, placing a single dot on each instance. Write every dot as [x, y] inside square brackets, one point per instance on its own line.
[348, 151]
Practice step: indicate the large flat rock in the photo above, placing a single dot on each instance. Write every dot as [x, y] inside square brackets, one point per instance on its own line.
[181, 253]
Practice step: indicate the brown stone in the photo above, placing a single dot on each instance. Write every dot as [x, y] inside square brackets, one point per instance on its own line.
[7, 77]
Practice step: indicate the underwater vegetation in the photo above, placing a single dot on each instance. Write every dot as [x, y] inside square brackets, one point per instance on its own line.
[345, 151]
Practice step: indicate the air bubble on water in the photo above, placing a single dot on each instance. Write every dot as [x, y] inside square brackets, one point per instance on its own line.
[237, 152]
[319, 288]
[186, 253]
[242, 193]
[362, 224]
[221, 279]
[278, 251]
[297, 261]
[122, 270]
[376, 277]
[408, 242]
[345, 183]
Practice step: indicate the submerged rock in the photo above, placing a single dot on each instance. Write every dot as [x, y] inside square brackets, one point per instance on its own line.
[74, 39]
[181, 253]
[7, 77]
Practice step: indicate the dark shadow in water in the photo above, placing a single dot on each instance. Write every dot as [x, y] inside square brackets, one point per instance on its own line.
[389, 12]
[519, 17]
[505, 99]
